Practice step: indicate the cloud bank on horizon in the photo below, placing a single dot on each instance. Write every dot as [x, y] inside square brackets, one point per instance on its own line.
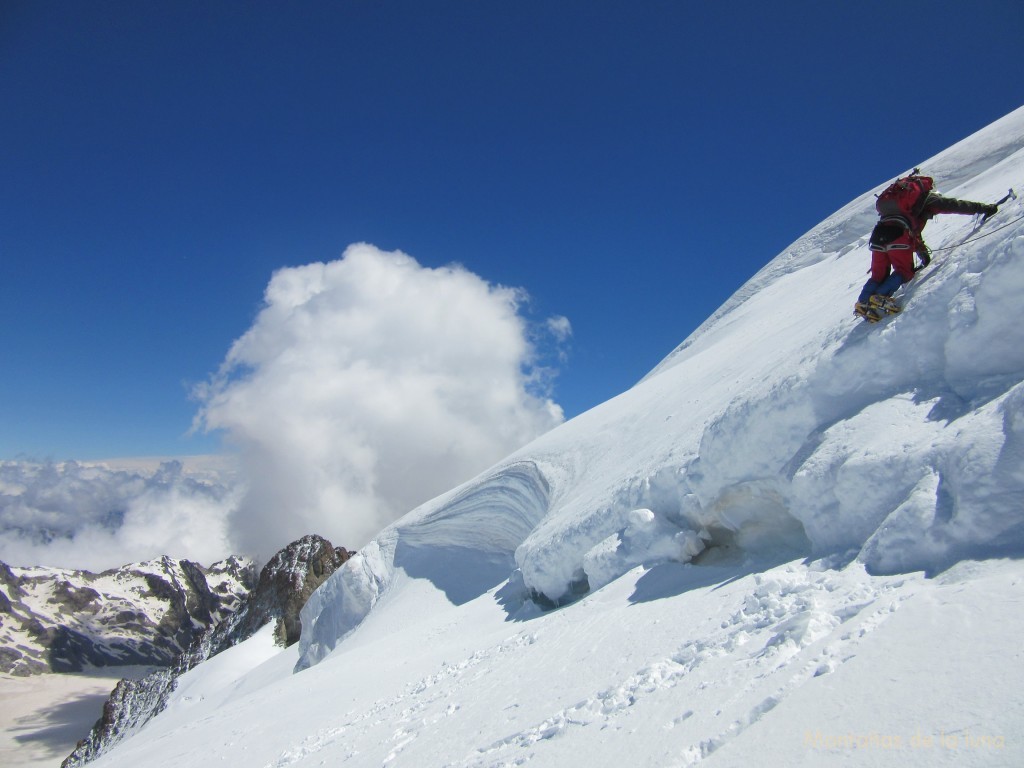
[94, 517]
[364, 387]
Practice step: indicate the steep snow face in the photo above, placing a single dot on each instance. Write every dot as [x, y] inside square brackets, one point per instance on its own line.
[783, 427]
[463, 545]
[727, 542]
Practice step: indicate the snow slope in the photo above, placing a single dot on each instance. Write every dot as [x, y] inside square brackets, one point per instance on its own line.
[797, 541]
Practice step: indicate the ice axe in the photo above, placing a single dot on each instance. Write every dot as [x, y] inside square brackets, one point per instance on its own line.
[1011, 195]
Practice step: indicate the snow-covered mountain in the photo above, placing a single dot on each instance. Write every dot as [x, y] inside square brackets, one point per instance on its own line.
[797, 541]
[143, 614]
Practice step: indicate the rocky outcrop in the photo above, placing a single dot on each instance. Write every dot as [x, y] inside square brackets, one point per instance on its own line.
[283, 586]
[131, 705]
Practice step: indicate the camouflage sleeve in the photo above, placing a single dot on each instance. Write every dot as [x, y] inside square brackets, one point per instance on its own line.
[938, 204]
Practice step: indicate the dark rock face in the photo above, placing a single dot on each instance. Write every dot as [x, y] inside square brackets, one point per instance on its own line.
[283, 587]
[131, 705]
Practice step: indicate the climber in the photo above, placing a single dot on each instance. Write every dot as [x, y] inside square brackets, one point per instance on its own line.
[904, 208]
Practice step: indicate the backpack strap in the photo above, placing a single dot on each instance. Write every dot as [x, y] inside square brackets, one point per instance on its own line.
[898, 220]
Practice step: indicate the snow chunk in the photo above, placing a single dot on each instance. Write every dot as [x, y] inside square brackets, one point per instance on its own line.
[646, 539]
[344, 600]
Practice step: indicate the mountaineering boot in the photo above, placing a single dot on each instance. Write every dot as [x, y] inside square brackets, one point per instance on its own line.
[864, 310]
[884, 304]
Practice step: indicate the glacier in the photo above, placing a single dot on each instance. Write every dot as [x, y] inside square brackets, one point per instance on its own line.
[780, 428]
[796, 541]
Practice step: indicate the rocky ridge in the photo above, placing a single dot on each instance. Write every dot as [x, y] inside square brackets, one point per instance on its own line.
[283, 586]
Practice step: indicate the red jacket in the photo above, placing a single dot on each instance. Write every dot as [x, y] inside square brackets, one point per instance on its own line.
[895, 239]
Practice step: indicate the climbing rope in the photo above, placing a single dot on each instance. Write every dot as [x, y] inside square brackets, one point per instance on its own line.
[979, 237]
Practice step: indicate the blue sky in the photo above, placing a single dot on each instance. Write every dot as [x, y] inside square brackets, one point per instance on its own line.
[628, 164]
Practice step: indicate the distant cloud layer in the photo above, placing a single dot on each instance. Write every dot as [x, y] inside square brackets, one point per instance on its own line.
[370, 384]
[94, 517]
[364, 387]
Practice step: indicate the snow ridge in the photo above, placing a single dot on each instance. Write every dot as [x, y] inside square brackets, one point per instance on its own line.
[469, 543]
[847, 230]
[798, 541]
[778, 434]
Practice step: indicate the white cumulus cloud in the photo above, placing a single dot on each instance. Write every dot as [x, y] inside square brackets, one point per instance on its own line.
[368, 385]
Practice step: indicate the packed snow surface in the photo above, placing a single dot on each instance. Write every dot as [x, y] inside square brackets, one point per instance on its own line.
[797, 541]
